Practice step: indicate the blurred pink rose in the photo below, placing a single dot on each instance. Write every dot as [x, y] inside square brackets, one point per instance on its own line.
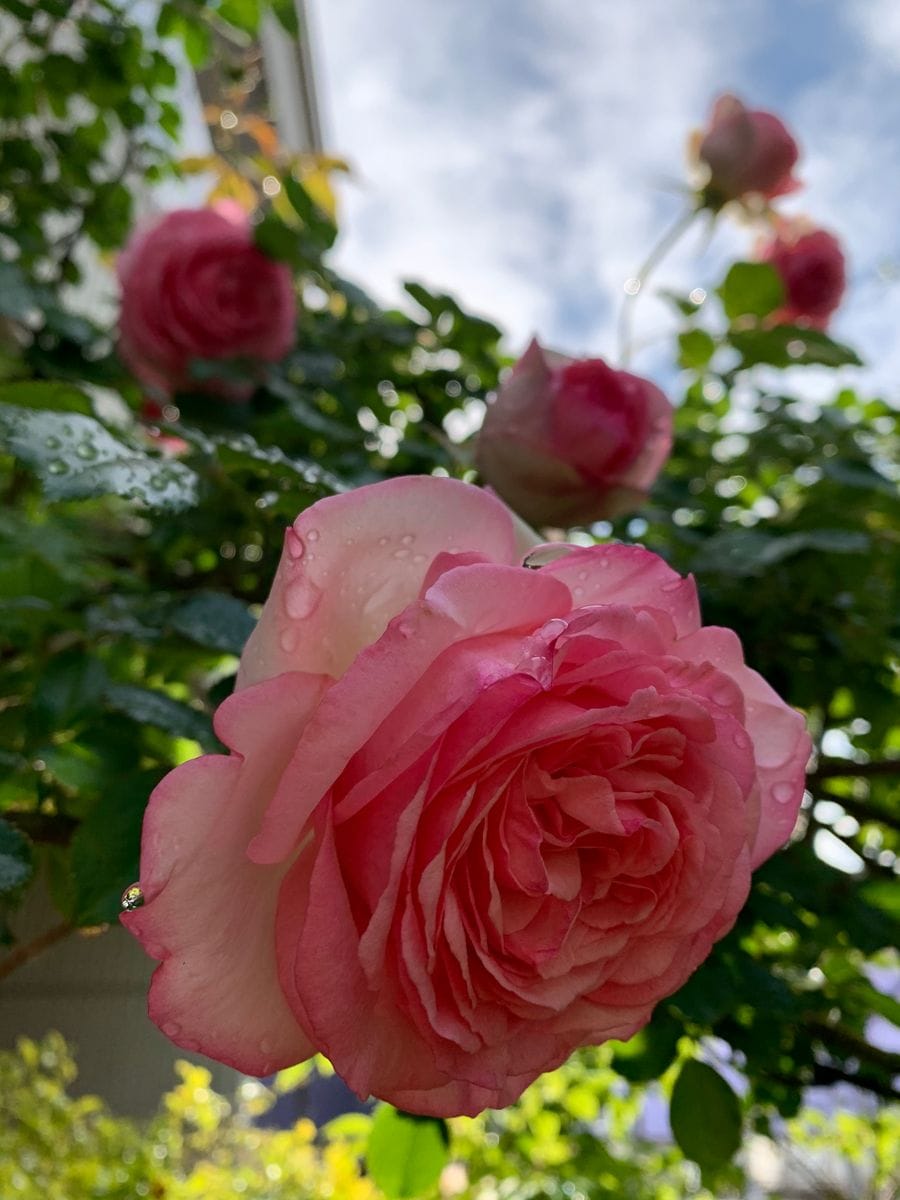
[567, 442]
[748, 152]
[811, 265]
[194, 286]
[474, 816]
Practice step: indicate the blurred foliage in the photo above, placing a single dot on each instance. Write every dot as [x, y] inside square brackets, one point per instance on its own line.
[577, 1134]
[136, 542]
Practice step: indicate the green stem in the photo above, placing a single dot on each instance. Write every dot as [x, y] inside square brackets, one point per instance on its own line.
[671, 236]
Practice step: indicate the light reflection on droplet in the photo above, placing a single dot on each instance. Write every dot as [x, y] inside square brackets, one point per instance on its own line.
[631, 287]
[132, 898]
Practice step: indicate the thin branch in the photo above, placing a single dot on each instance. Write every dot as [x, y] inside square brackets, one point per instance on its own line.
[845, 768]
[851, 1042]
[28, 950]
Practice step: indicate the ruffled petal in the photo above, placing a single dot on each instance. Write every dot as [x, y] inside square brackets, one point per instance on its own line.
[353, 562]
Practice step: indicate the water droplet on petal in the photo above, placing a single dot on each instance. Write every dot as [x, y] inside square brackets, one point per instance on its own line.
[265, 1046]
[408, 539]
[382, 541]
[288, 640]
[741, 739]
[171, 1029]
[784, 793]
[312, 535]
[542, 556]
[301, 598]
[420, 558]
[132, 897]
[401, 554]
[672, 585]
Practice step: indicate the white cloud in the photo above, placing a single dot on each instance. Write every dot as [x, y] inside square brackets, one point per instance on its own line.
[525, 154]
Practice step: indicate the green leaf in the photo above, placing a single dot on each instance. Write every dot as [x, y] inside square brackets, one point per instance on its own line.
[105, 851]
[696, 348]
[214, 619]
[791, 346]
[17, 295]
[42, 394]
[278, 240]
[16, 861]
[76, 457]
[742, 552]
[286, 12]
[406, 1154]
[242, 14]
[646, 1055]
[320, 226]
[149, 707]
[705, 1115]
[751, 289]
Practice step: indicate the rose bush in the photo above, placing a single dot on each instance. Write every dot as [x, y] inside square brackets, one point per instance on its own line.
[194, 286]
[811, 264]
[747, 152]
[571, 441]
[474, 815]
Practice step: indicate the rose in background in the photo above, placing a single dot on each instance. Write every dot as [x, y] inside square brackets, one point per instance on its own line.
[811, 265]
[194, 286]
[747, 152]
[474, 815]
[568, 442]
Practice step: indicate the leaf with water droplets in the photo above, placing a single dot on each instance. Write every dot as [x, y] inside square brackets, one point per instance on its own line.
[76, 457]
[149, 707]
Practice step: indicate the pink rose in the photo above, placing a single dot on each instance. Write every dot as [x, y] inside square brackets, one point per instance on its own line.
[811, 265]
[194, 286]
[748, 152]
[474, 816]
[569, 442]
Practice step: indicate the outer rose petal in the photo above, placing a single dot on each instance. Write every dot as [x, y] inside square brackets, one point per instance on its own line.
[781, 744]
[352, 562]
[616, 574]
[209, 913]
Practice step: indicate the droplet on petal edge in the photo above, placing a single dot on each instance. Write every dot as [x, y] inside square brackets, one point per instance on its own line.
[544, 555]
[783, 792]
[132, 897]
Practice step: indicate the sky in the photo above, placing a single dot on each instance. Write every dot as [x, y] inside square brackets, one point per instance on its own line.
[525, 154]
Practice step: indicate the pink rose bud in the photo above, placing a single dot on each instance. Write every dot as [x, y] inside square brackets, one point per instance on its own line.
[473, 816]
[194, 286]
[811, 265]
[567, 442]
[748, 152]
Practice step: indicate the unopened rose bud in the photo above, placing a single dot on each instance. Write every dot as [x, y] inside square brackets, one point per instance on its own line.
[811, 264]
[746, 152]
[568, 442]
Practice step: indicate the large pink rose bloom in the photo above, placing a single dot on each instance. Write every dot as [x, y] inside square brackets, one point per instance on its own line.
[194, 286]
[747, 152]
[811, 265]
[567, 442]
[474, 815]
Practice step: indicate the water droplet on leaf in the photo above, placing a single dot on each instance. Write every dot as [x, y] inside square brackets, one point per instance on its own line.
[56, 466]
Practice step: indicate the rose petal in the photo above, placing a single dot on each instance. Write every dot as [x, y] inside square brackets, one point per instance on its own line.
[352, 562]
[781, 744]
[209, 912]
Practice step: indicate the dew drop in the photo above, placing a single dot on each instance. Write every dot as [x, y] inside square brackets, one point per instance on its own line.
[86, 450]
[158, 482]
[401, 554]
[382, 541]
[52, 443]
[783, 792]
[582, 576]
[294, 544]
[577, 592]
[301, 598]
[420, 558]
[544, 555]
[132, 897]
[408, 539]
[56, 466]
[265, 1046]
[171, 1029]
[672, 585]
[288, 640]
[741, 739]
[313, 535]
